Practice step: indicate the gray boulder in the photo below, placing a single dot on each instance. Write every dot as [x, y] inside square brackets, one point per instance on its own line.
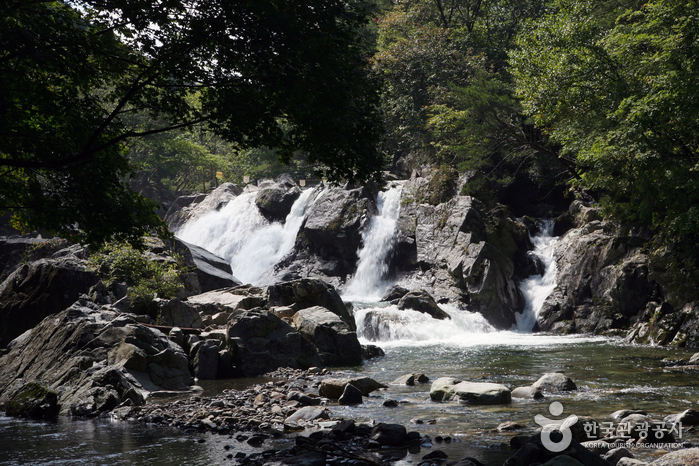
[262, 342]
[96, 357]
[421, 301]
[212, 272]
[392, 435]
[205, 359]
[32, 400]
[337, 344]
[333, 388]
[554, 382]
[450, 389]
[687, 457]
[351, 395]
[308, 413]
[177, 313]
[527, 393]
[39, 289]
[275, 201]
[305, 293]
[688, 417]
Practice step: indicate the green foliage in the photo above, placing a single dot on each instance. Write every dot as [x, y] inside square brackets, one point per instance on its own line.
[442, 185]
[272, 73]
[618, 88]
[146, 275]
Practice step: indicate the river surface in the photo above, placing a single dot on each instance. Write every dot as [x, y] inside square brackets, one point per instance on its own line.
[609, 374]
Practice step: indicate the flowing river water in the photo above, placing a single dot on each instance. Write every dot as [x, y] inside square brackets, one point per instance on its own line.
[610, 374]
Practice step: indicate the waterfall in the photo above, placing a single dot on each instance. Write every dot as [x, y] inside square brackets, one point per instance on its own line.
[537, 288]
[242, 236]
[378, 240]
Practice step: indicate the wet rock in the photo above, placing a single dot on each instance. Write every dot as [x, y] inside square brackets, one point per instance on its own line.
[529, 393]
[351, 395]
[410, 379]
[262, 342]
[554, 382]
[509, 426]
[686, 457]
[337, 344]
[302, 398]
[421, 301]
[451, 389]
[563, 460]
[333, 388]
[372, 352]
[39, 289]
[631, 462]
[622, 413]
[394, 294]
[32, 400]
[435, 455]
[533, 451]
[275, 201]
[389, 434]
[390, 404]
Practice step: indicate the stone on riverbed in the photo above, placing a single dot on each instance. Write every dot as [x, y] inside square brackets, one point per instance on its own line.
[333, 388]
[449, 388]
[554, 382]
[308, 413]
[351, 395]
[410, 379]
[336, 342]
[688, 457]
[529, 393]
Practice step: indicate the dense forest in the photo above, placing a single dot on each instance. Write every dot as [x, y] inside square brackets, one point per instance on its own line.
[111, 107]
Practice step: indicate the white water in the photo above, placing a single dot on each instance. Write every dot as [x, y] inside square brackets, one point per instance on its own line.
[242, 236]
[538, 287]
[370, 280]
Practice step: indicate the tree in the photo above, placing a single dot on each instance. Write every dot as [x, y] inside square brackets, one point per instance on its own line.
[617, 85]
[281, 74]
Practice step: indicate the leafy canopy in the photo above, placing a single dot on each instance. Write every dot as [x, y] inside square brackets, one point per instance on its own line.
[288, 75]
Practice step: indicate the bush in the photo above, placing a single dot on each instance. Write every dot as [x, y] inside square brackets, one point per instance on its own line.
[148, 276]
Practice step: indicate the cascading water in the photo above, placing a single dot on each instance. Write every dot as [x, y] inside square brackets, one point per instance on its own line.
[242, 236]
[369, 281]
[537, 288]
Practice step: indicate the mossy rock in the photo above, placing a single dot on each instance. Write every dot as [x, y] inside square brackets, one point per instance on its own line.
[33, 400]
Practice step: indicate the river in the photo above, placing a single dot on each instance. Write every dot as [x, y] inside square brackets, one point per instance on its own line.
[610, 375]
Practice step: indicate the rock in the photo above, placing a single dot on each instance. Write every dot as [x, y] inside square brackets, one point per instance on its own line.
[534, 452]
[687, 457]
[302, 398]
[390, 404]
[177, 313]
[436, 455]
[337, 344]
[637, 426]
[421, 301]
[395, 294]
[32, 400]
[392, 435]
[631, 462]
[584, 428]
[614, 455]
[410, 379]
[351, 395]
[509, 426]
[372, 352]
[333, 388]
[97, 357]
[305, 293]
[689, 417]
[622, 413]
[262, 342]
[529, 393]
[275, 201]
[449, 388]
[308, 413]
[554, 382]
[227, 300]
[213, 272]
[205, 360]
[39, 289]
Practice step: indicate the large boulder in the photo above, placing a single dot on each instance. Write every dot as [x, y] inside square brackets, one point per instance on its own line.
[275, 201]
[212, 271]
[333, 388]
[554, 382]
[450, 389]
[262, 342]
[337, 344]
[39, 289]
[95, 359]
[687, 457]
[421, 301]
[304, 293]
[178, 313]
[244, 297]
